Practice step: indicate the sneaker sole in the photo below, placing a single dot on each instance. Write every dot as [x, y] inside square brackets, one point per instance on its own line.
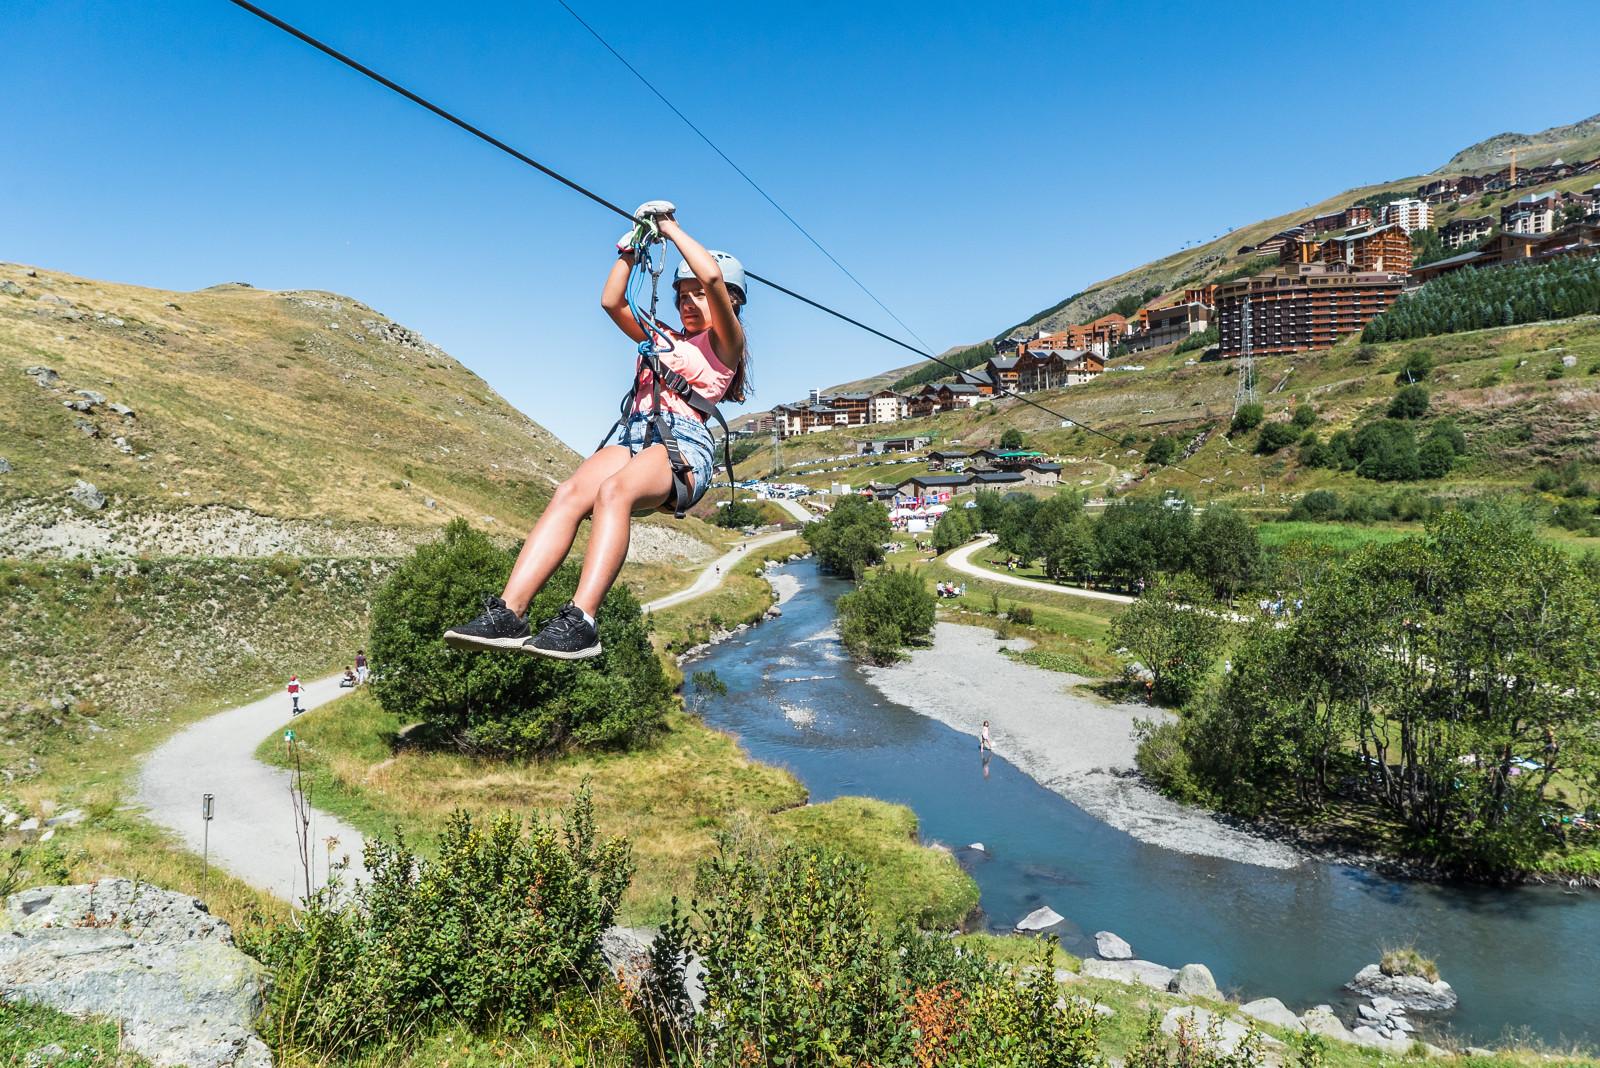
[457, 640]
[553, 654]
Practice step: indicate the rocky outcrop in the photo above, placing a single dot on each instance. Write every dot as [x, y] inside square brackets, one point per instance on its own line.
[1111, 947]
[1322, 1021]
[1195, 981]
[155, 961]
[1219, 1033]
[1141, 972]
[1274, 1012]
[627, 955]
[1407, 991]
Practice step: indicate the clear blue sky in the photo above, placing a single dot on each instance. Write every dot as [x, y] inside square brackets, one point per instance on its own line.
[972, 163]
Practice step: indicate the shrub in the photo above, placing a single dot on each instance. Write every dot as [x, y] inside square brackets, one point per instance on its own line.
[1387, 452]
[1435, 457]
[1409, 402]
[1316, 505]
[1162, 451]
[488, 934]
[1546, 481]
[1022, 615]
[1275, 436]
[1176, 631]
[738, 514]
[1417, 368]
[1305, 417]
[1163, 761]
[850, 538]
[888, 611]
[1405, 960]
[954, 529]
[508, 704]
[1247, 418]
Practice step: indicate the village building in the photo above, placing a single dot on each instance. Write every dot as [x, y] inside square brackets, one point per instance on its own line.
[1178, 322]
[1409, 214]
[887, 406]
[1579, 239]
[933, 485]
[1458, 233]
[1305, 306]
[1385, 248]
[1041, 474]
[879, 446]
[1002, 371]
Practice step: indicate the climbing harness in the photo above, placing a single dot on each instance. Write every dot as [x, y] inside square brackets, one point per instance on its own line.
[650, 261]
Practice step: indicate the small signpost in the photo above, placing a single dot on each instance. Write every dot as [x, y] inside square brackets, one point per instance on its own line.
[207, 810]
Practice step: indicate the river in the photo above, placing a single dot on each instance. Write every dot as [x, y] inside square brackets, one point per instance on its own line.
[1523, 960]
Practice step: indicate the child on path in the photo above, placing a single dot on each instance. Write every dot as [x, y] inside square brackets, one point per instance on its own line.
[985, 745]
[635, 476]
[295, 689]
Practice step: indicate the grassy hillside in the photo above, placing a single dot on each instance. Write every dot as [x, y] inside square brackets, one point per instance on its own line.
[1575, 141]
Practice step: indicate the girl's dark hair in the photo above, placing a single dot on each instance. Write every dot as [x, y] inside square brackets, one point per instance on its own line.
[742, 385]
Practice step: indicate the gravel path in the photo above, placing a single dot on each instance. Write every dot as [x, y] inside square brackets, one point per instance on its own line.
[1079, 746]
[961, 560]
[253, 832]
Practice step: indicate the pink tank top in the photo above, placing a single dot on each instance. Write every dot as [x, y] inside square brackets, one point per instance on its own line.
[693, 358]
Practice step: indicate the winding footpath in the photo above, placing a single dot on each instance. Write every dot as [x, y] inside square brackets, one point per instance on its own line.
[961, 560]
[253, 830]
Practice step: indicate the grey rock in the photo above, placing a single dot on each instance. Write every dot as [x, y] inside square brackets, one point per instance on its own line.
[88, 495]
[1322, 1021]
[123, 410]
[10, 288]
[78, 405]
[1274, 1012]
[1064, 976]
[29, 825]
[1373, 1039]
[1569, 361]
[86, 428]
[1479, 1051]
[1110, 947]
[1400, 1023]
[1195, 981]
[1139, 972]
[627, 955]
[1094, 1006]
[156, 961]
[70, 818]
[1388, 1006]
[1368, 1012]
[979, 846]
[90, 395]
[51, 298]
[122, 445]
[1040, 919]
[1198, 1022]
[1409, 991]
[429, 502]
[45, 376]
[5, 466]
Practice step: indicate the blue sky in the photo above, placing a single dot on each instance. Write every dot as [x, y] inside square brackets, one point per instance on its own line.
[971, 163]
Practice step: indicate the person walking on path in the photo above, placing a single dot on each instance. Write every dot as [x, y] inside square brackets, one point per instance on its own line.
[985, 745]
[361, 666]
[295, 690]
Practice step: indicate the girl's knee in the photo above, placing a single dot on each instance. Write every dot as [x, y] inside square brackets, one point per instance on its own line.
[614, 493]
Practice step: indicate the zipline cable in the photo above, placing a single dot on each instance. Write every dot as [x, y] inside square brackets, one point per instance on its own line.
[741, 172]
[361, 68]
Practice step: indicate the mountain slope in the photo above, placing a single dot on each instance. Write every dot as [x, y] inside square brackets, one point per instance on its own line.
[289, 405]
[1574, 141]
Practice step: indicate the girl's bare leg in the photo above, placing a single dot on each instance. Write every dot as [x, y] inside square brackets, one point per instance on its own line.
[646, 481]
[551, 538]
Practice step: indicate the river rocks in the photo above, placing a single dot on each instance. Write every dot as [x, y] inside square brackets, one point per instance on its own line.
[1219, 1033]
[1322, 1021]
[1366, 1035]
[1139, 972]
[1408, 991]
[1195, 981]
[1274, 1012]
[1040, 919]
[1110, 947]
[88, 495]
[157, 962]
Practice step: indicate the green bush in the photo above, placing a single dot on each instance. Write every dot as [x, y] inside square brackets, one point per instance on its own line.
[1418, 366]
[891, 609]
[1246, 419]
[1162, 451]
[850, 538]
[1021, 614]
[500, 703]
[1305, 417]
[1162, 760]
[1275, 436]
[1011, 439]
[954, 529]
[488, 934]
[1405, 960]
[738, 514]
[1317, 505]
[1176, 631]
[1409, 402]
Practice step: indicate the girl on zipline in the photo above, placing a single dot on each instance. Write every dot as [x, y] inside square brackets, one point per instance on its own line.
[635, 476]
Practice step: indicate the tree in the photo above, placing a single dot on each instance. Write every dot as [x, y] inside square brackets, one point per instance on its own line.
[1305, 417]
[1246, 419]
[889, 610]
[1011, 439]
[1224, 550]
[1162, 451]
[1062, 535]
[1418, 366]
[954, 529]
[1409, 402]
[499, 703]
[1140, 537]
[1386, 451]
[738, 514]
[1176, 632]
[1015, 530]
[850, 538]
[1275, 436]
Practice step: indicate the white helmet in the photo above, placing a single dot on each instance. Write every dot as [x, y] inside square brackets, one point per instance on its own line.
[732, 273]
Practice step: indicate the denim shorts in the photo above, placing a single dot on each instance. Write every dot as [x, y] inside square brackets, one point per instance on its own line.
[694, 443]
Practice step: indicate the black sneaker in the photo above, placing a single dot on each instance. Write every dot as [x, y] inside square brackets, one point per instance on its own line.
[496, 627]
[567, 637]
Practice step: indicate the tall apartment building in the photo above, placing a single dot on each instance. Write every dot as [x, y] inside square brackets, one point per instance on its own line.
[1385, 248]
[1304, 306]
[887, 406]
[1458, 233]
[1409, 215]
[1178, 322]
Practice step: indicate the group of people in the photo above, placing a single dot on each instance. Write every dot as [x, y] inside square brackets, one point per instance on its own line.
[353, 676]
[950, 589]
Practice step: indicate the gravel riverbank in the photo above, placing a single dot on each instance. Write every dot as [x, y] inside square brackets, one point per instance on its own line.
[1077, 745]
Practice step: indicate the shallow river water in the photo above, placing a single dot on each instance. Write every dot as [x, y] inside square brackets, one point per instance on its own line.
[1524, 960]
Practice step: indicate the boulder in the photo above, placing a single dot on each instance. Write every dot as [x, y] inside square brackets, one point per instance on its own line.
[86, 428]
[1230, 1034]
[5, 466]
[1369, 1012]
[1569, 361]
[45, 376]
[1094, 1006]
[157, 962]
[1407, 991]
[88, 495]
[1140, 972]
[10, 288]
[1274, 1012]
[90, 395]
[627, 955]
[1110, 947]
[1040, 919]
[1372, 1039]
[1195, 981]
[1322, 1021]
[123, 410]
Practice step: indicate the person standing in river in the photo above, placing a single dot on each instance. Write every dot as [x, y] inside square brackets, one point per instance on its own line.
[984, 743]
